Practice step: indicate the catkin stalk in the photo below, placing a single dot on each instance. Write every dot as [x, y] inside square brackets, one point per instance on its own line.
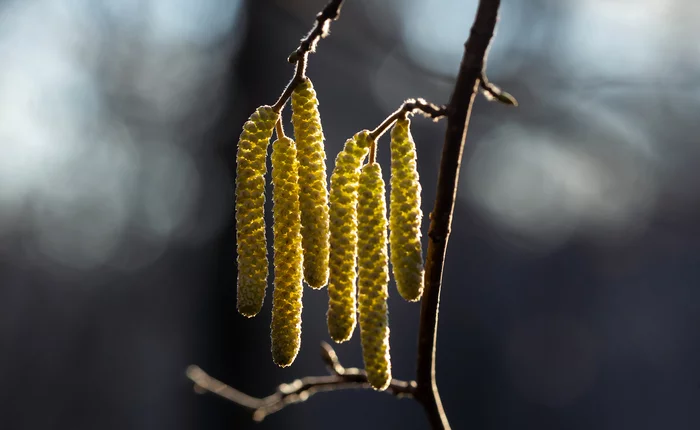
[314, 194]
[373, 276]
[405, 214]
[250, 213]
[286, 297]
[342, 304]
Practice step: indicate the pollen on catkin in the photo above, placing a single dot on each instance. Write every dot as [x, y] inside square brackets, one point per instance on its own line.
[405, 215]
[342, 304]
[312, 173]
[286, 297]
[373, 276]
[250, 212]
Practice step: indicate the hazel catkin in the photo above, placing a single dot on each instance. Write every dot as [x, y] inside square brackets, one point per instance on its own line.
[250, 212]
[405, 215]
[314, 194]
[373, 276]
[343, 237]
[286, 297]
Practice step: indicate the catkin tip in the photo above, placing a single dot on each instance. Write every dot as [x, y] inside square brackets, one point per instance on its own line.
[284, 358]
[248, 311]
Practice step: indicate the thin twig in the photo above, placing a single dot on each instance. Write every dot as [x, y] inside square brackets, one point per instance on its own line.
[279, 128]
[372, 152]
[320, 30]
[494, 93]
[298, 391]
[458, 114]
[307, 45]
[298, 77]
[410, 106]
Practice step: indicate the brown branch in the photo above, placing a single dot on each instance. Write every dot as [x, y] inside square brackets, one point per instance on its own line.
[320, 30]
[458, 114]
[372, 152]
[307, 45]
[494, 93]
[298, 391]
[279, 128]
[410, 106]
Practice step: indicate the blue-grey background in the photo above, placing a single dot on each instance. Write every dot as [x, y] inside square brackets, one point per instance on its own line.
[572, 282]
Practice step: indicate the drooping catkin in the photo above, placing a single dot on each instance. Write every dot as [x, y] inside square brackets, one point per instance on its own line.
[373, 276]
[286, 297]
[342, 302]
[250, 212]
[314, 194]
[405, 215]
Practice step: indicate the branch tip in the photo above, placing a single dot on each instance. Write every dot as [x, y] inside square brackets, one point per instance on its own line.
[494, 93]
[410, 107]
[307, 45]
[330, 358]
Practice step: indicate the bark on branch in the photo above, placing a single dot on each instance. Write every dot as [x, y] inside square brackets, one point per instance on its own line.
[298, 391]
[458, 113]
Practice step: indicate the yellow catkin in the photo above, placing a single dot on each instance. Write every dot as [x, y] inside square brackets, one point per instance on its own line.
[373, 276]
[286, 298]
[343, 237]
[405, 215]
[314, 194]
[250, 213]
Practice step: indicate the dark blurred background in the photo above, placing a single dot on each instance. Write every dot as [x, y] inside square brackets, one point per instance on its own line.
[571, 296]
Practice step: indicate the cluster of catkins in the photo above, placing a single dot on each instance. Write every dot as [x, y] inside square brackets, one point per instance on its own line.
[336, 238]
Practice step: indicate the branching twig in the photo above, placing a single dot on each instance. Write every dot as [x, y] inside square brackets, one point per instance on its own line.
[458, 114]
[410, 106]
[307, 45]
[320, 30]
[298, 391]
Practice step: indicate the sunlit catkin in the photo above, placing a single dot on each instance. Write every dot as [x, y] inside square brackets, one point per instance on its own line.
[250, 213]
[343, 237]
[286, 298]
[405, 215]
[373, 276]
[314, 194]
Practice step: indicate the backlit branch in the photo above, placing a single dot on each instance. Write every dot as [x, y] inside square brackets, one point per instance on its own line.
[298, 391]
[307, 45]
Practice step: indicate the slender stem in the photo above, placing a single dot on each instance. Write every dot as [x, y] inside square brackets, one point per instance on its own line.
[410, 106]
[307, 45]
[279, 128]
[298, 391]
[372, 152]
[299, 74]
[458, 114]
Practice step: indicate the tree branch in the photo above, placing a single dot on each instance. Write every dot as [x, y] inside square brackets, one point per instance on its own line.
[307, 45]
[298, 391]
[458, 114]
[410, 106]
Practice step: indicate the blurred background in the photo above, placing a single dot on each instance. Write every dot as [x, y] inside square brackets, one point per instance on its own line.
[571, 296]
